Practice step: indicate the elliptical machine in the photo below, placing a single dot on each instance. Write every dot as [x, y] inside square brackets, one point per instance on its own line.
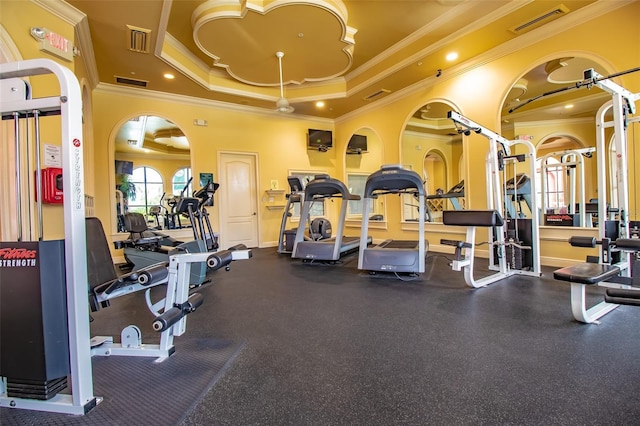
[145, 248]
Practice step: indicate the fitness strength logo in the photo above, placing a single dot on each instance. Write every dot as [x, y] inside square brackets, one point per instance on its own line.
[17, 257]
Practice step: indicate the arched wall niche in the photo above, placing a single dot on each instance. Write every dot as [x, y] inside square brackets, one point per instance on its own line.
[152, 140]
[431, 145]
[545, 105]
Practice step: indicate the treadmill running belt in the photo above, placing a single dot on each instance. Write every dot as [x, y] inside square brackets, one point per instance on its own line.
[399, 244]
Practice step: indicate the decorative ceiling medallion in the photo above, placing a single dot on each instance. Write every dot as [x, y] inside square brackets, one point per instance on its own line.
[241, 36]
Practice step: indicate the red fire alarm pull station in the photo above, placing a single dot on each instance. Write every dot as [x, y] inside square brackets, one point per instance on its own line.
[51, 186]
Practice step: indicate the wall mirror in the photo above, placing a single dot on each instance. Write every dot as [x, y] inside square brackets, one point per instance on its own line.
[152, 168]
[432, 147]
[544, 105]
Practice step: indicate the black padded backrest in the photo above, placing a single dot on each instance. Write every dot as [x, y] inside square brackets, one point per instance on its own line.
[488, 218]
[134, 222]
[100, 268]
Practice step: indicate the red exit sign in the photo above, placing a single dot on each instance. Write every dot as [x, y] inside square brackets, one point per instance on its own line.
[54, 43]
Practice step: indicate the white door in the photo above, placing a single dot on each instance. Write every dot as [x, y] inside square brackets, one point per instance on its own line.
[238, 200]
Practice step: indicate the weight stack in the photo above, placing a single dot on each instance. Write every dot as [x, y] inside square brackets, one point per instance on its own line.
[514, 257]
[34, 337]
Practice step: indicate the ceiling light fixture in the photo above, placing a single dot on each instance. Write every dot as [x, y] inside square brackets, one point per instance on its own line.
[452, 56]
[168, 76]
[282, 104]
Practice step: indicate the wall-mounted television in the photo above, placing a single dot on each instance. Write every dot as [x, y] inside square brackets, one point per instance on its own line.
[357, 144]
[319, 140]
[124, 167]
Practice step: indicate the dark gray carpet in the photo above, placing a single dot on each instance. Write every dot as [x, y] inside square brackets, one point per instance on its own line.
[137, 391]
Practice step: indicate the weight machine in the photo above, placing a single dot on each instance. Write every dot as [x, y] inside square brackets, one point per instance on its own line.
[611, 272]
[73, 258]
[44, 331]
[570, 168]
[513, 242]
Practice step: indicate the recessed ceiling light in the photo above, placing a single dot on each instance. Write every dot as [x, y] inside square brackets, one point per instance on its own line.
[169, 76]
[452, 56]
[568, 106]
[320, 104]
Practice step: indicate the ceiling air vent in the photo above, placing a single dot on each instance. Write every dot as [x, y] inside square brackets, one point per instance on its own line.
[131, 81]
[541, 19]
[376, 94]
[138, 39]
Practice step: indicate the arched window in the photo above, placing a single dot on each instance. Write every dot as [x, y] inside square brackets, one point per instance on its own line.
[179, 181]
[149, 189]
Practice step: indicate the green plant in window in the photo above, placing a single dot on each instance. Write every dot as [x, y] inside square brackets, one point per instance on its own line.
[124, 184]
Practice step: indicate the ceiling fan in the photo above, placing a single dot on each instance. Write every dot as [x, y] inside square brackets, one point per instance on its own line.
[282, 104]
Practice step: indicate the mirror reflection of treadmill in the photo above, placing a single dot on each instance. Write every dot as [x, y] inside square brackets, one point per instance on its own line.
[518, 189]
[453, 195]
[395, 256]
[330, 249]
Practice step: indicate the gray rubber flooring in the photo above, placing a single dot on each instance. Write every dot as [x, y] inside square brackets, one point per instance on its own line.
[328, 345]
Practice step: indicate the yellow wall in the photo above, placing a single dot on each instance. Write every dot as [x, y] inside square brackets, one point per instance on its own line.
[41, 86]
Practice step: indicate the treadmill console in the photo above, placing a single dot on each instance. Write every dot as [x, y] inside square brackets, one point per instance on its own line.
[295, 184]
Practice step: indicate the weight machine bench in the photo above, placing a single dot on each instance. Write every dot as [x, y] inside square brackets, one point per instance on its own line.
[620, 289]
[464, 261]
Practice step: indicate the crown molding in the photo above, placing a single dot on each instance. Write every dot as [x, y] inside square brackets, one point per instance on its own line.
[62, 10]
[152, 95]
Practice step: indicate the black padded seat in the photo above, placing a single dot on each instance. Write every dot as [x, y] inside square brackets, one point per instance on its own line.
[586, 273]
[488, 218]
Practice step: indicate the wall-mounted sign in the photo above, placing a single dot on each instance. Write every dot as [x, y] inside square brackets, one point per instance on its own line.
[53, 43]
[206, 178]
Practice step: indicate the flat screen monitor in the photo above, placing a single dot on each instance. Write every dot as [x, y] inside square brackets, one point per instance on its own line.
[320, 140]
[357, 144]
[124, 167]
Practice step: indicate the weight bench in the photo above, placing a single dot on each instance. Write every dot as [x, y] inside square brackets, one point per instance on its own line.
[586, 274]
[464, 250]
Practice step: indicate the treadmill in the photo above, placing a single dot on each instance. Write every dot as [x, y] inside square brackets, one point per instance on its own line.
[517, 189]
[330, 249]
[395, 256]
[452, 195]
[295, 196]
